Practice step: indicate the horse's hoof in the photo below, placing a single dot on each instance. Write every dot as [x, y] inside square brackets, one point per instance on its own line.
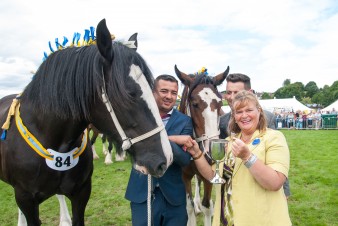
[119, 158]
[96, 157]
[108, 162]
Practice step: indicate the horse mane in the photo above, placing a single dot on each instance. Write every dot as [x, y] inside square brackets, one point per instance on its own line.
[68, 81]
[119, 89]
[200, 79]
[184, 98]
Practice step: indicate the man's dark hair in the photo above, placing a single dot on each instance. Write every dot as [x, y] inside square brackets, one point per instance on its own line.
[165, 77]
[238, 77]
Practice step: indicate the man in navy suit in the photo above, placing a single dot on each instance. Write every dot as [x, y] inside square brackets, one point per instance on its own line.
[168, 204]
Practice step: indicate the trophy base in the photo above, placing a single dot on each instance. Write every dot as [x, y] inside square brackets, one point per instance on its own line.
[217, 180]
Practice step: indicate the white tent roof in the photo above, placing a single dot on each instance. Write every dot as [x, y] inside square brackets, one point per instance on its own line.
[287, 104]
[226, 109]
[272, 105]
[333, 105]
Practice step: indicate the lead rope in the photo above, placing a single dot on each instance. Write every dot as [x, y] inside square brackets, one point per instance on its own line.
[149, 200]
[127, 142]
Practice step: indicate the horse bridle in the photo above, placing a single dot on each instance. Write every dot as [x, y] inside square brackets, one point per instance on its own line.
[127, 142]
[204, 137]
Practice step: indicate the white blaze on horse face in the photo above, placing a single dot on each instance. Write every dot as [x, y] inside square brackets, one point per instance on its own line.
[147, 96]
[210, 116]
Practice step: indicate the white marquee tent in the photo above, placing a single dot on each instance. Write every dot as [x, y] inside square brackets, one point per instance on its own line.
[277, 105]
[287, 104]
[331, 106]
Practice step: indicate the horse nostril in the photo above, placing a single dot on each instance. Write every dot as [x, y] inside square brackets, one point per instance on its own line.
[161, 169]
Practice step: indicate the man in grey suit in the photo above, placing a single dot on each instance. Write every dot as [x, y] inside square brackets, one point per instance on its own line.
[235, 83]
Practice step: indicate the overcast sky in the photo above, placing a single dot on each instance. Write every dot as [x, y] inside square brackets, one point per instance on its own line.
[269, 40]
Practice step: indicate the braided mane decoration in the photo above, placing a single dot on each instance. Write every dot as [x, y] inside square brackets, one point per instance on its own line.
[200, 77]
[89, 38]
[203, 71]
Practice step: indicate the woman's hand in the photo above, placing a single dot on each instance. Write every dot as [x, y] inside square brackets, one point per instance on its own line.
[240, 150]
[193, 149]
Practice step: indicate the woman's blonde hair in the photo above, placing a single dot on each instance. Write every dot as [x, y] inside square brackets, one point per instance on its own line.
[243, 98]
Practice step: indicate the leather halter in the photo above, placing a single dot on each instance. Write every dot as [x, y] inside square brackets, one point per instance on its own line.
[203, 137]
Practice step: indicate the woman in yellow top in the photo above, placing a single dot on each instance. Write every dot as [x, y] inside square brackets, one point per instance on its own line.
[261, 164]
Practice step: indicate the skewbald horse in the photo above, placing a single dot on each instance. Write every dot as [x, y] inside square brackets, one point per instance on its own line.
[202, 101]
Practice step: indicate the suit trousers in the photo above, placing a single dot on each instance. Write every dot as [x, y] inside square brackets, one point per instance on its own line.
[163, 213]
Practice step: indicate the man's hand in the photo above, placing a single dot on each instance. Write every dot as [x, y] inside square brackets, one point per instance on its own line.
[184, 140]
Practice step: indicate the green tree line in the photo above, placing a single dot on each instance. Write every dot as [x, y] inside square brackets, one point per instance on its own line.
[309, 94]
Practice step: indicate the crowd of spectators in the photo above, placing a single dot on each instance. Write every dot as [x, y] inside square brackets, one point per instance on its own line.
[314, 119]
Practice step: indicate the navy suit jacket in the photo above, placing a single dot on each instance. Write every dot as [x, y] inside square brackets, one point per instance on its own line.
[171, 183]
[224, 123]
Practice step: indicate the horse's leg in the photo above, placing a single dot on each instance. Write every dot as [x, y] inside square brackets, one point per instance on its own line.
[187, 177]
[79, 202]
[92, 142]
[65, 219]
[104, 146]
[95, 155]
[109, 159]
[28, 205]
[191, 213]
[197, 197]
[21, 219]
[207, 203]
[119, 157]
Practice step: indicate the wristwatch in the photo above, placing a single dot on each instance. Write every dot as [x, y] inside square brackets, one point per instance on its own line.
[252, 159]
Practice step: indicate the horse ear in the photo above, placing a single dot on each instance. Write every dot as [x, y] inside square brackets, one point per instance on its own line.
[219, 79]
[103, 41]
[133, 38]
[185, 79]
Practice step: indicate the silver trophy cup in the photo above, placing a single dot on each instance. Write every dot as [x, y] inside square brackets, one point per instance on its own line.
[217, 152]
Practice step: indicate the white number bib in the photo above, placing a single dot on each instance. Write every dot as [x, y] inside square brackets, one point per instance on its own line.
[62, 161]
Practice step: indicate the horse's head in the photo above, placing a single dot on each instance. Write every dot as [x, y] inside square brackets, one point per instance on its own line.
[128, 110]
[202, 101]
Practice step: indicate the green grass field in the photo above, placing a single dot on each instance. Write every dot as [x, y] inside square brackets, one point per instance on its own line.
[313, 181]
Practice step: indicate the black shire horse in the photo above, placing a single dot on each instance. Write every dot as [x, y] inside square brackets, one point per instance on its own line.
[45, 150]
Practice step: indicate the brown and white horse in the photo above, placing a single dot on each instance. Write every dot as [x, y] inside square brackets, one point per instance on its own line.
[202, 101]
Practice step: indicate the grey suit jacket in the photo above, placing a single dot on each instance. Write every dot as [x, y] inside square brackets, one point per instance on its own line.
[224, 123]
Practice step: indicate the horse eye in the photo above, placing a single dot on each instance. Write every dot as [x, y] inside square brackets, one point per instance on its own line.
[195, 105]
[133, 94]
